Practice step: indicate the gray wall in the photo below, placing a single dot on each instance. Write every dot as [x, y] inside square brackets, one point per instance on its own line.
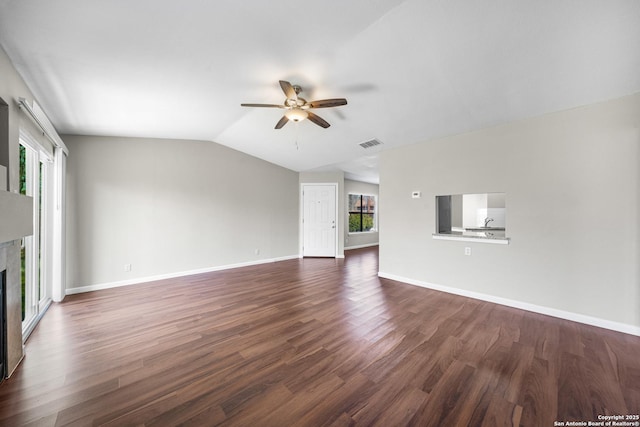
[171, 206]
[356, 240]
[572, 187]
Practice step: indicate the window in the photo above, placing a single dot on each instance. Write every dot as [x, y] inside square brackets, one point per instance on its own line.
[362, 213]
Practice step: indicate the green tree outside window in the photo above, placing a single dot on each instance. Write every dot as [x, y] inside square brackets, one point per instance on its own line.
[362, 209]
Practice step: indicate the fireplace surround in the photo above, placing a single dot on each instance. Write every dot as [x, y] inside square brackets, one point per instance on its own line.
[16, 213]
[3, 326]
[10, 265]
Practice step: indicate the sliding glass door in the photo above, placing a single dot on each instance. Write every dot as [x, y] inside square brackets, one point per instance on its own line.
[36, 291]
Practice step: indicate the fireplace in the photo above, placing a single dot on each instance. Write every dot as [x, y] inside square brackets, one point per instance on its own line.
[11, 351]
[3, 325]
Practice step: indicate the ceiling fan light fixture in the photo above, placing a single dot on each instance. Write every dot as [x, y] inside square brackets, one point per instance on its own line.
[296, 114]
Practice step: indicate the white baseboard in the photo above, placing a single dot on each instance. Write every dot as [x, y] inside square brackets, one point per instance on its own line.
[567, 315]
[368, 245]
[109, 285]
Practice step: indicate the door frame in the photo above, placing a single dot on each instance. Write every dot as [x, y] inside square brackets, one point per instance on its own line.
[301, 225]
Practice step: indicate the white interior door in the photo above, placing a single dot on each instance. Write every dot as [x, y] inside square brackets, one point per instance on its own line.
[319, 220]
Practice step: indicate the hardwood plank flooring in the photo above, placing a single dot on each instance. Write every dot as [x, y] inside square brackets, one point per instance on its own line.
[312, 342]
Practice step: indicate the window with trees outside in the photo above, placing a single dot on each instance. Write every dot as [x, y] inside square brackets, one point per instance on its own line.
[362, 213]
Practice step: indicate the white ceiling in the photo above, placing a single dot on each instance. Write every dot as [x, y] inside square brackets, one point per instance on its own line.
[411, 70]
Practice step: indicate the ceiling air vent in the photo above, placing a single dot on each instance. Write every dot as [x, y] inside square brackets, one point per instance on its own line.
[370, 143]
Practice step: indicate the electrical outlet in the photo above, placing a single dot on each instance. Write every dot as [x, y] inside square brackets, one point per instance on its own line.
[257, 251]
[467, 251]
[127, 267]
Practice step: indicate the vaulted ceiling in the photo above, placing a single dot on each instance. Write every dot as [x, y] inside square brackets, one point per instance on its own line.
[411, 70]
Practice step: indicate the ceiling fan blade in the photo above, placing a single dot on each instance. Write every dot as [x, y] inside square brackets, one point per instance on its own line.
[283, 121]
[318, 120]
[325, 103]
[288, 89]
[263, 105]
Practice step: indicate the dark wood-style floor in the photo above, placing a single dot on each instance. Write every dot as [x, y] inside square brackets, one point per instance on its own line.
[312, 342]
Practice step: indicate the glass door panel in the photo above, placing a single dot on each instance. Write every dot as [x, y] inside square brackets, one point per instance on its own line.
[33, 183]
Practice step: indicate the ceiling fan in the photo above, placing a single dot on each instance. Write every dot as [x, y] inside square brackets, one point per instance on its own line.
[298, 108]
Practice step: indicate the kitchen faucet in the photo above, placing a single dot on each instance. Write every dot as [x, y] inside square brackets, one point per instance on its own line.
[487, 221]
